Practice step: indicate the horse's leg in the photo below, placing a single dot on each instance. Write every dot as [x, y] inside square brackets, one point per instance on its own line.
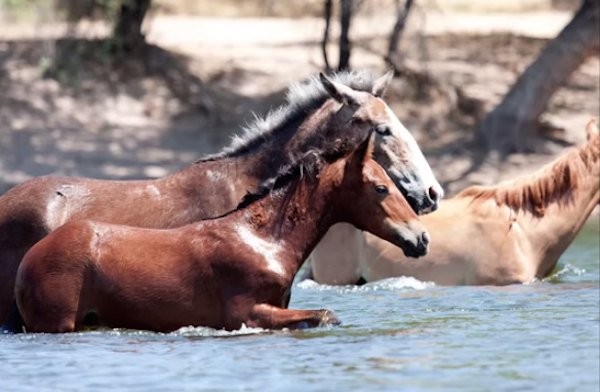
[9, 264]
[16, 237]
[272, 317]
[14, 322]
[50, 302]
[36, 316]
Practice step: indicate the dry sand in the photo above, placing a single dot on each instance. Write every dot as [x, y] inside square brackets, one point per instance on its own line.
[203, 77]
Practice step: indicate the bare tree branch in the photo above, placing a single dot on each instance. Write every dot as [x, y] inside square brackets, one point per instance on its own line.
[128, 30]
[510, 126]
[327, 15]
[345, 47]
[402, 15]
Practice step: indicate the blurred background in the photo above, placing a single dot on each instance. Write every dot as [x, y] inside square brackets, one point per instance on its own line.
[139, 88]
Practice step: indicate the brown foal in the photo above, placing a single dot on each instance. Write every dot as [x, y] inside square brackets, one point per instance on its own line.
[220, 273]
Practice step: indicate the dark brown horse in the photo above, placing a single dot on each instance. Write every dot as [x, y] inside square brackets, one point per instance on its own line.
[219, 273]
[216, 184]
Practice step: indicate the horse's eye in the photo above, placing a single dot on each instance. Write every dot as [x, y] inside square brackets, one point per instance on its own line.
[381, 189]
[383, 130]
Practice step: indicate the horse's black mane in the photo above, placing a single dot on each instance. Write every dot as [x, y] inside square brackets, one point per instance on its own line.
[308, 165]
[301, 100]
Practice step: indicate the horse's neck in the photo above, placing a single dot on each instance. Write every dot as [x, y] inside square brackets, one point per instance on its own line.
[296, 218]
[212, 188]
[550, 235]
[219, 185]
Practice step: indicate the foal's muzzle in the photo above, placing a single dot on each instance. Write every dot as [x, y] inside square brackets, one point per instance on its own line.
[416, 248]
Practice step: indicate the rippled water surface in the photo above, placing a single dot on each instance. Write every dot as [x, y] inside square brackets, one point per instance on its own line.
[398, 334]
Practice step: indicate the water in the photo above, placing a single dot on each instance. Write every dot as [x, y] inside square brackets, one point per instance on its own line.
[398, 334]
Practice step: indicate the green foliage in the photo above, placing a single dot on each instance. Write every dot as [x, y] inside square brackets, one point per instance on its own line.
[15, 4]
[17, 9]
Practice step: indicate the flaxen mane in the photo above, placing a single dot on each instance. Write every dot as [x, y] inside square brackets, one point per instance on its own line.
[301, 99]
[552, 183]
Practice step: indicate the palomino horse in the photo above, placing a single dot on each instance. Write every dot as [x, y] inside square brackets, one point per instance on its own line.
[216, 184]
[511, 233]
[219, 273]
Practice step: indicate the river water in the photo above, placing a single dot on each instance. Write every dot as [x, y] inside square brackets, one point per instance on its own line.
[397, 334]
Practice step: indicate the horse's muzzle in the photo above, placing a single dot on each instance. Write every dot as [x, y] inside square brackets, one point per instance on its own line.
[418, 249]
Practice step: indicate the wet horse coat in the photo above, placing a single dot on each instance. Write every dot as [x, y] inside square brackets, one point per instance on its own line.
[514, 232]
[220, 273]
[216, 184]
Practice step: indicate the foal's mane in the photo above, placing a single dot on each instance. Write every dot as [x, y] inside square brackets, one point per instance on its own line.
[553, 182]
[308, 166]
[536, 191]
[301, 100]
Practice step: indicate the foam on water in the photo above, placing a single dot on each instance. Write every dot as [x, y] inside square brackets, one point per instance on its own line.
[567, 270]
[400, 283]
[189, 331]
[208, 332]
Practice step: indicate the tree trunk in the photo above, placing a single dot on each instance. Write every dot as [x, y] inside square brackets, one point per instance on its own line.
[401, 16]
[345, 18]
[127, 33]
[511, 125]
[327, 15]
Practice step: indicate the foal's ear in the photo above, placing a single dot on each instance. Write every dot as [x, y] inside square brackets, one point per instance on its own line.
[341, 93]
[364, 151]
[382, 83]
[591, 129]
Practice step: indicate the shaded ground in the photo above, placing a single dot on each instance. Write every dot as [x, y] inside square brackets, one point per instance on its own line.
[197, 83]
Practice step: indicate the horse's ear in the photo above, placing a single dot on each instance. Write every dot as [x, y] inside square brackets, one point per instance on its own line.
[591, 129]
[341, 93]
[382, 83]
[364, 151]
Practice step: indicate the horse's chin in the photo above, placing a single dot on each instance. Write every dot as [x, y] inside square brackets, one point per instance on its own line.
[411, 250]
[420, 205]
[414, 252]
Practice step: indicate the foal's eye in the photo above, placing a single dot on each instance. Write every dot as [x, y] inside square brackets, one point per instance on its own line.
[383, 130]
[381, 189]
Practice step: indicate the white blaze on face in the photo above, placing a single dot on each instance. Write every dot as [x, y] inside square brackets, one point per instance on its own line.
[268, 250]
[419, 166]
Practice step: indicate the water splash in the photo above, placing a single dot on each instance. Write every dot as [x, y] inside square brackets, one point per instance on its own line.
[191, 331]
[400, 283]
[566, 271]
[188, 331]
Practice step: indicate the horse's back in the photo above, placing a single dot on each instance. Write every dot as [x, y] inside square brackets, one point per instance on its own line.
[471, 244]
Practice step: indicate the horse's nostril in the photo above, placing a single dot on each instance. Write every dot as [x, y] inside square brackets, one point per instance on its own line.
[433, 194]
[425, 238]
